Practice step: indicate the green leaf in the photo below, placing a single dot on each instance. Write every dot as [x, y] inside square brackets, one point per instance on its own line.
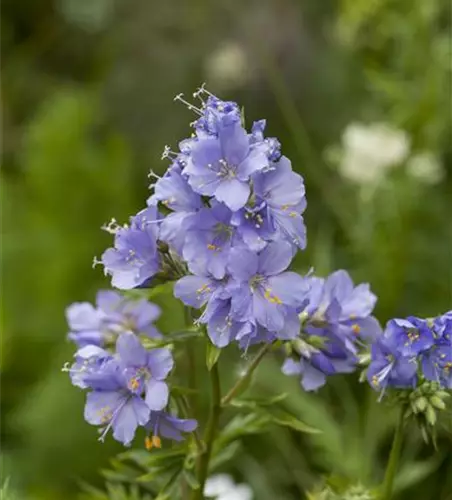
[251, 423]
[415, 472]
[212, 355]
[225, 454]
[242, 116]
[287, 420]
[191, 479]
[257, 402]
[166, 493]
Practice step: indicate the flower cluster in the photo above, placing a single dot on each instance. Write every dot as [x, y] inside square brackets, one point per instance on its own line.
[412, 350]
[225, 221]
[335, 323]
[229, 209]
[127, 383]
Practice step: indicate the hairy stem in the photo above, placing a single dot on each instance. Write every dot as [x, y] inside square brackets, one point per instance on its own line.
[394, 457]
[242, 381]
[210, 433]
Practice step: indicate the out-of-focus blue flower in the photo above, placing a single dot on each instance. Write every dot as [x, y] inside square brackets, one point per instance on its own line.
[134, 258]
[168, 426]
[334, 323]
[112, 315]
[221, 166]
[89, 360]
[335, 304]
[265, 294]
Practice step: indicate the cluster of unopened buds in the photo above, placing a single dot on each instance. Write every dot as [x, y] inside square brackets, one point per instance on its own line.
[224, 223]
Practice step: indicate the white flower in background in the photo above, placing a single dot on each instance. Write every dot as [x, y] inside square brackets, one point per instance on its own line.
[426, 167]
[228, 66]
[222, 487]
[369, 151]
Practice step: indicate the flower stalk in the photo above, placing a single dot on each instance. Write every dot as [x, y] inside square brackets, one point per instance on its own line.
[210, 433]
[394, 457]
[242, 381]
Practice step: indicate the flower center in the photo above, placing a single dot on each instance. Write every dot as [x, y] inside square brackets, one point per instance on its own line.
[258, 282]
[226, 171]
[221, 234]
[412, 335]
[137, 379]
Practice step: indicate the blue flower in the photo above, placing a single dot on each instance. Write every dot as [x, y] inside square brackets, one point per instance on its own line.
[112, 315]
[167, 426]
[335, 322]
[335, 304]
[174, 192]
[389, 367]
[113, 406]
[313, 368]
[145, 371]
[89, 360]
[125, 387]
[134, 258]
[413, 335]
[436, 362]
[265, 294]
[210, 239]
[272, 145]
[222, 326]
[215, 114]
[282, 192]
[221, 166]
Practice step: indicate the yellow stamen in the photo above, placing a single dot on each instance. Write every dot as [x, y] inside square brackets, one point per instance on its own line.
[375, 382]
[210, 246]
[134, 384]
[293, 214]
[152, 442]
[204, 288]
[356, 329]
[274, 299]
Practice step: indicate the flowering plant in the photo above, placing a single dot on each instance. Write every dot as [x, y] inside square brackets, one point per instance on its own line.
[222, 226]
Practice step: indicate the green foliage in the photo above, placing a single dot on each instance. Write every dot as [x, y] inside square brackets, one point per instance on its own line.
[87, 110]
[212, 355]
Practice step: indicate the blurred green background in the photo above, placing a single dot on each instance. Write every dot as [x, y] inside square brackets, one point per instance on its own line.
[88, 89]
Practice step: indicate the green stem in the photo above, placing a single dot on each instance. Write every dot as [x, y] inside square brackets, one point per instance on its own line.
[242, 381]
[210, 433]
[191, 362]
[394, 457]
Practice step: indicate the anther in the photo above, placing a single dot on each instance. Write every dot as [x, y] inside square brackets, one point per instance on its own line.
[190, 106]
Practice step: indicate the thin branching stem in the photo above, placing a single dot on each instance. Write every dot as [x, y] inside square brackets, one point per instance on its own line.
[242, 381]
